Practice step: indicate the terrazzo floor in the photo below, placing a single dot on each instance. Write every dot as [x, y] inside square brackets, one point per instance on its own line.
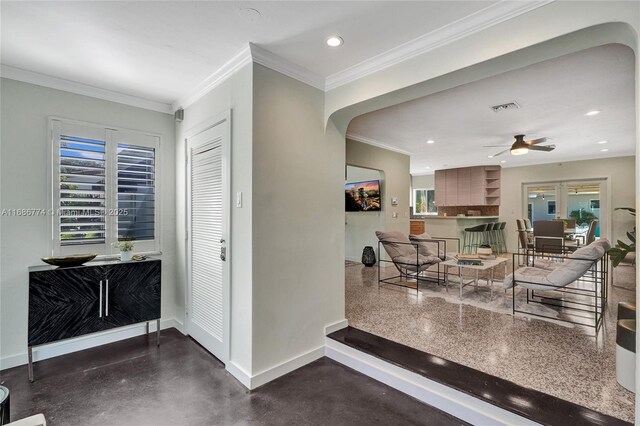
[564, 361]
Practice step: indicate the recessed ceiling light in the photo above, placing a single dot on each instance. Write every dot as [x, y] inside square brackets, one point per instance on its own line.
[604, 150]
[427, 167]
[430, 141]
[503, 161]
[594, 112]
[603, 142]
[489, 156]
[334, 41]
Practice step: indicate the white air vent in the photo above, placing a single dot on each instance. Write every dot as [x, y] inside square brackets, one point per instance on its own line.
[510, 105]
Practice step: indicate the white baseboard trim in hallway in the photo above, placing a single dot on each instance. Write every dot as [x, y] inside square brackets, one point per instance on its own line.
[456, 403]
[336, 326]
[85, 342]
[265, 376]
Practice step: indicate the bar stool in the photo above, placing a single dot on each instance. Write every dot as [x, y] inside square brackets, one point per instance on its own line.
[492, 236]
[502, 240]
[474, 236]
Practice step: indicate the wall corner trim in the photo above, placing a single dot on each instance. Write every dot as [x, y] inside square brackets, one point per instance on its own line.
[272, 373]
[271, 60]
[237, 61]
[336, 326]
[38, 79]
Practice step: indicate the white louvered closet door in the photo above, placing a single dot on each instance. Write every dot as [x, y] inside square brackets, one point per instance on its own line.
[208, 290]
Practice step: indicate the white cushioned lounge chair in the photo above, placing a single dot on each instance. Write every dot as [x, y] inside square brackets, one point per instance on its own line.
[586, 265]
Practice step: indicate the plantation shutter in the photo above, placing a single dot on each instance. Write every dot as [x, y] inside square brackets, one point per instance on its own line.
[136, 192]
[104, 189]
[82, 190]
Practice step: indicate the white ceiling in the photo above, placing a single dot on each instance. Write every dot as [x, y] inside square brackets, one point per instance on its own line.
[554, 96]
[162, 50]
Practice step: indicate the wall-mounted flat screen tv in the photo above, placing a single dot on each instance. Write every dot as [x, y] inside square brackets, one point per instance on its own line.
[362, 196]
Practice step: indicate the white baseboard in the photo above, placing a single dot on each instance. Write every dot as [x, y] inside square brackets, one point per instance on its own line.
[85, 342]
[336, 326]
[239, 373]
[265, 376]
[252, 382]
[456, 403]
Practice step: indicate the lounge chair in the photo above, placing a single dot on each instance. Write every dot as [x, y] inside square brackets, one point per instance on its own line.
[587, 265]
[404, 256]
[434, 246]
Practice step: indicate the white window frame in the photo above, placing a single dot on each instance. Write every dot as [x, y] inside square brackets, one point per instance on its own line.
[415, 198]
[112, 136]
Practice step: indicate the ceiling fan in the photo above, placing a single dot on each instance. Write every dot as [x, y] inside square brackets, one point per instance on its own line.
[520, 146]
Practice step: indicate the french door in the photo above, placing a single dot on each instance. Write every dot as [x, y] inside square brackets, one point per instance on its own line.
[581, 201]
[208, 179]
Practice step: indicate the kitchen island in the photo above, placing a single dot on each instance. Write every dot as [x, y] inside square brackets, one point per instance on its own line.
[451, 226]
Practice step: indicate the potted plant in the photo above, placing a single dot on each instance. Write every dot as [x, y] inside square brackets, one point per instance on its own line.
[622, 249]
[125, 247]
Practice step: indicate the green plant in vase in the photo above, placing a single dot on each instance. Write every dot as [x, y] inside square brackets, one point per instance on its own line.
[125, 246]
[622, 249]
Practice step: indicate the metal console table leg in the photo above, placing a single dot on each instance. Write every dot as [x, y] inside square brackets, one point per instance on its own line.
[30, 350]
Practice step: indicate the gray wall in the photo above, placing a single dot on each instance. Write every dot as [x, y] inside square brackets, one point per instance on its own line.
[298, 229]
[397, 180]
[24, 184]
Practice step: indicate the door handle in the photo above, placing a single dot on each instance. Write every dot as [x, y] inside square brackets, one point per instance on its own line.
[106, 303]
[100, 308]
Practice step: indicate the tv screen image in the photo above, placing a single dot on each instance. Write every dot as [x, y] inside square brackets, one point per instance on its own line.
[362, 196]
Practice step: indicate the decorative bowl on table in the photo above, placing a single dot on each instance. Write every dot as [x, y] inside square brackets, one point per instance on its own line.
[71, 260]
[484, 251]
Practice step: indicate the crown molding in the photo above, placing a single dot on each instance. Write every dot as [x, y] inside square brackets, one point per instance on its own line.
[38, 79]
[250, 53]
[284, 66]
[376, 143]
[484, 18]
[239, 60]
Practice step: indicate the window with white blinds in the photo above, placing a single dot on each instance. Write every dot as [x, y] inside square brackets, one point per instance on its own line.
[104, 189]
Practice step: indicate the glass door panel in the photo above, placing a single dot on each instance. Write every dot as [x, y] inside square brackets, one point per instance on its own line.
[583, 205]
[541, 202]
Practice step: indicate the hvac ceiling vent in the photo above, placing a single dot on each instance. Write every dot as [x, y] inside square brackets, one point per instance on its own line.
[510, 105]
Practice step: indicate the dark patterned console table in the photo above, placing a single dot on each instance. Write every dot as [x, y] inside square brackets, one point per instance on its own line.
[74, 301]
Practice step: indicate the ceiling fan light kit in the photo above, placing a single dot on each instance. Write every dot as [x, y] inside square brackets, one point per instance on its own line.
[521, 147]
[519, 151]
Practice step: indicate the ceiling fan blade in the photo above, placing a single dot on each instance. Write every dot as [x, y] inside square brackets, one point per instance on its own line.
[535, 141]
[547, 148]
[502, 152]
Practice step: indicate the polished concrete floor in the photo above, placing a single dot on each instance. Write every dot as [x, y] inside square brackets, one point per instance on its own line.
[134, 383]
[566, 362]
